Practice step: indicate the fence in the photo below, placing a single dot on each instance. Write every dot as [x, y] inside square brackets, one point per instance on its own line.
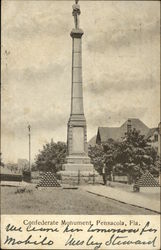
[120, 178]
[11, 177]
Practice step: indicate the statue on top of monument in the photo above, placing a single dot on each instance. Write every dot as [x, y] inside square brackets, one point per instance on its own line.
[76, 12]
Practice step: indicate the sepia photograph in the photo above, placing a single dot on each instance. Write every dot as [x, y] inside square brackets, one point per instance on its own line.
[80, 113]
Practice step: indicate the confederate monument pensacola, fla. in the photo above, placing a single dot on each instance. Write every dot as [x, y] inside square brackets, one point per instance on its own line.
[77, 150]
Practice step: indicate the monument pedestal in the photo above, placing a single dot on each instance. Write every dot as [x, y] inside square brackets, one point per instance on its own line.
[78, 174]
[78, 171]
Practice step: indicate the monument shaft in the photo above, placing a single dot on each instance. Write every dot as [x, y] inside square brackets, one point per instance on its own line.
[77, 150]
[77, 138]
[77, 88]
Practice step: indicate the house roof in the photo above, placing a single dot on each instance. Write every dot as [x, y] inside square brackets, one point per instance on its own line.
[151, 132]
[109, 133]
[116, 133]
[92, 141]
[137, 124]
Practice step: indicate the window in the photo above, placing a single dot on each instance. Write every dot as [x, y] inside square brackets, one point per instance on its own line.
[155, 137]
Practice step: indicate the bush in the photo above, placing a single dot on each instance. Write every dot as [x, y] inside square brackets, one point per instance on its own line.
[21, 190]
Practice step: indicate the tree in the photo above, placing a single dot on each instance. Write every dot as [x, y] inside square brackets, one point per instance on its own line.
[51, 157]
[103, 154]
[34, 167]
[135, 155]
[97, 155]
[12, 166]
[109, 149]
[131, 157]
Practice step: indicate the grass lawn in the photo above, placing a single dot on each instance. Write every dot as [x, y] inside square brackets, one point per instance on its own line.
[60, 201]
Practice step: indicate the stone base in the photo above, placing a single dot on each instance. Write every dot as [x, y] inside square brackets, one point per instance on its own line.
[78, 167]
[76, 178]
[77, 174]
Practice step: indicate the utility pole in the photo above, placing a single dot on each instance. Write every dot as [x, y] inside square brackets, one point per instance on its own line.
[29, 134]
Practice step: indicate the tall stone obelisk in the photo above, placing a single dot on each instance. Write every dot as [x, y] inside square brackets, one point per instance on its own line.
[77, 150]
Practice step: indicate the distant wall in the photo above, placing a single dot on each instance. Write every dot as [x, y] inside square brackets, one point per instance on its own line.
[121, 178]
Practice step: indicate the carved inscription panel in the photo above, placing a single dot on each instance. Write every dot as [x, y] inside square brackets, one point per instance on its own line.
[78, 140]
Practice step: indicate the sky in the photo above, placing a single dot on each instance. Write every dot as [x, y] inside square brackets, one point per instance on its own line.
[121, 68]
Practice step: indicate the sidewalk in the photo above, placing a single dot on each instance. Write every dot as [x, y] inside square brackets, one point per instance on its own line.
[135, 199]
[15, 183]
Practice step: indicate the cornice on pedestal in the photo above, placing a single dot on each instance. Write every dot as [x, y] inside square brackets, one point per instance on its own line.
[76, 33]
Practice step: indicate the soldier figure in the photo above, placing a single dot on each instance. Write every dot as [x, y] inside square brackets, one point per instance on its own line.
[76, 12]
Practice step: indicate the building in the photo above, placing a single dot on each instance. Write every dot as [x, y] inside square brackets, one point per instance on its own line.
[23, 164]
[153, 136]
[117, 133]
